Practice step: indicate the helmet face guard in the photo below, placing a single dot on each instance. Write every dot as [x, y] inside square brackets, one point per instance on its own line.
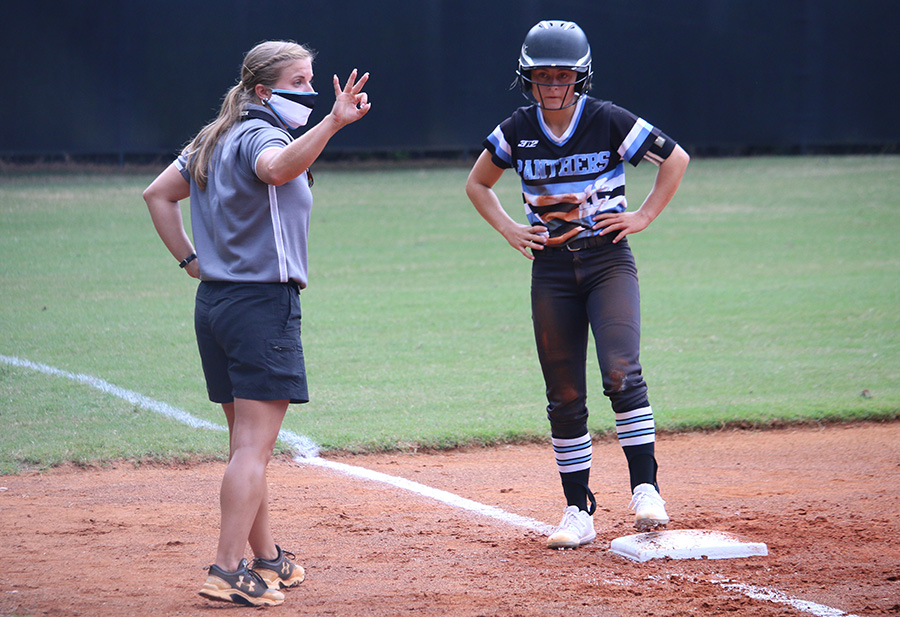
[580, 86]
[559, 45]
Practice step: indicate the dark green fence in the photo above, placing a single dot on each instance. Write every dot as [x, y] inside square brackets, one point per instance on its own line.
[127, 78]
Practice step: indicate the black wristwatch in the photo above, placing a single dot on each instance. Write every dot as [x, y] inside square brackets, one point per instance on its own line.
[187, 260]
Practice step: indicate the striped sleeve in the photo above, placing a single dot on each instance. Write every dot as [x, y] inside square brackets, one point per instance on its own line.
[497, 144]
[642, 140]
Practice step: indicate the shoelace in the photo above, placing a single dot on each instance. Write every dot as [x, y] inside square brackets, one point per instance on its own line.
[250, 571]
[258, 578]
[638, 500]
[570, 519]
[284, 555]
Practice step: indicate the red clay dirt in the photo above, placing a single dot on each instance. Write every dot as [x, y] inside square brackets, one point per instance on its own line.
[133, 540]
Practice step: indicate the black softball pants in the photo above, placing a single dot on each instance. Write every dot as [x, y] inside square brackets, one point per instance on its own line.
[572, 293]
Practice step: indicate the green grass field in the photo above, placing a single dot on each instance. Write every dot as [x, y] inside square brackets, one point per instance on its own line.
[771, 293]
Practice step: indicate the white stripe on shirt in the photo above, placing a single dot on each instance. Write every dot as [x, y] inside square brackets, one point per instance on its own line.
[279, 241]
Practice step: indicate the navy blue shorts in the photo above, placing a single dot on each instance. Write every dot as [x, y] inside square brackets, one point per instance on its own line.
[249, 340]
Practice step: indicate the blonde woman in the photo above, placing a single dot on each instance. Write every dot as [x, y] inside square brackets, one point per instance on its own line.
[249, 185]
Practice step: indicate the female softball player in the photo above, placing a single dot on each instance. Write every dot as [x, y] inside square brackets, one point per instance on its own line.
[249, 186]
[570, 150]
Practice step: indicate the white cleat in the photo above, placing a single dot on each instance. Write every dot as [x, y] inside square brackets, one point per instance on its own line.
[575, 529]
[649, 508]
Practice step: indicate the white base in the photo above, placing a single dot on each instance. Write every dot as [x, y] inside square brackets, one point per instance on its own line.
[686, 544]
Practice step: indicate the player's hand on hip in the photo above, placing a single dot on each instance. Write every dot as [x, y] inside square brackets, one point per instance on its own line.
[621, 223]
[524, 237]
[350, 102]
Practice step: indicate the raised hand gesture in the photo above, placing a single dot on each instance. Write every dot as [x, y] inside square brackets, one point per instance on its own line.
[350, 102]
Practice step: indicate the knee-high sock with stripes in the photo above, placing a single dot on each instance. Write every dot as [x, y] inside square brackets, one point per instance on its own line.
[636, 431]
[573, 460]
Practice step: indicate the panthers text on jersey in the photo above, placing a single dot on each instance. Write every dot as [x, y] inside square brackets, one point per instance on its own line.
[567, 180]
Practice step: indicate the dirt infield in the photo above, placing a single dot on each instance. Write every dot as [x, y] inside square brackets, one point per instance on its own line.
[133, 540]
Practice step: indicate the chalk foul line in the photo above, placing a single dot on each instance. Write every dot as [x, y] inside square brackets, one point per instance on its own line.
[138, 400]
[433, 493]
[779, 597]
[307, 453]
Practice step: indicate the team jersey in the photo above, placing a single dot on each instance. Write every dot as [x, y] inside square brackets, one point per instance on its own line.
[245, 230]
[568, 180]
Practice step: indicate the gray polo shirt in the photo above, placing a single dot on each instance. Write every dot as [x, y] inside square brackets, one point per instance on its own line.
[245, 230]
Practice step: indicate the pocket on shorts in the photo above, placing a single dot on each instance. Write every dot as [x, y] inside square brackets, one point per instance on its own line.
[285, 357]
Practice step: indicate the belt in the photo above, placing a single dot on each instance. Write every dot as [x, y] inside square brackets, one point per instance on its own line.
[580, 244]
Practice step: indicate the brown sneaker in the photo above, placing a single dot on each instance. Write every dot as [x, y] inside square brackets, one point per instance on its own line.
[280, 572]
[243, 586]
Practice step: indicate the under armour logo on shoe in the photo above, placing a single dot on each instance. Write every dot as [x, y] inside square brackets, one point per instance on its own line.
[242, 583]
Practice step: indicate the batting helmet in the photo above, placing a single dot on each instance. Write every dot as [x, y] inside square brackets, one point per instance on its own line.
[559, 45]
